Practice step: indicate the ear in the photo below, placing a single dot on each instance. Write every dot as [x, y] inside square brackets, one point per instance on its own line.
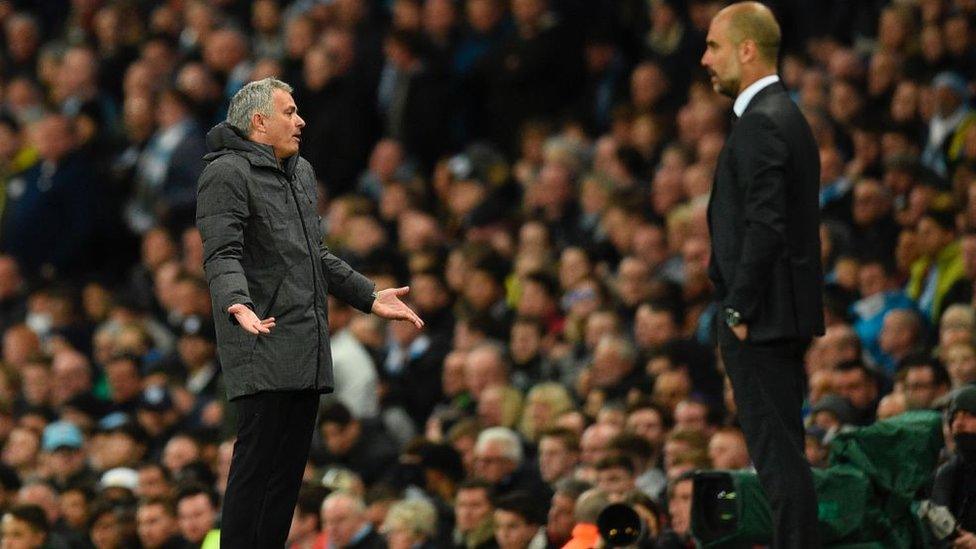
[748, 50]
[257, 123]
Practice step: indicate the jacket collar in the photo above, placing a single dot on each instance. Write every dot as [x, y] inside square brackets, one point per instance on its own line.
[226, 139]
[755, 92]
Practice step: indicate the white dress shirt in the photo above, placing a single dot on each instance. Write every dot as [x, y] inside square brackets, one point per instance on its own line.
[744, 98]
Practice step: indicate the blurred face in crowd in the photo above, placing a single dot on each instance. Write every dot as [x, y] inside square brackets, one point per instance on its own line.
[727, 450]
[340, 438]
[856, 387]
[963, 422]
[483, 15]
[491, 462]
[21, 448]
[653, 327]
[512, 531]
[123, 379]
[932, 237]
[961, 363]
[106, 532]
[609, 366]
[152, 483]
[471, 507]
[196, 517]
[281, 129]
[632, 280]
[559, 527]
[921, 388]
[525, 341]
[180, 452]
[679, 506]
[74, 508]
[594, 442]
[154, 525]
[615, 481]
[904, 102]
[872, 279]
[53, 137]
[672, 387]
[19, 534]
[956, 326]
[555, 459]
[341, 519]
[647, 423]
[483, 369]
[691, 415]
[869, 203]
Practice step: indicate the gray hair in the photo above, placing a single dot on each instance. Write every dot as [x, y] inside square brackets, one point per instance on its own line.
[512, 446]
[416, 515]
[255, 97]
[345, 498]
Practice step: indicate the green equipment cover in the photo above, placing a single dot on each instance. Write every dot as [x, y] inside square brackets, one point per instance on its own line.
[864, 497]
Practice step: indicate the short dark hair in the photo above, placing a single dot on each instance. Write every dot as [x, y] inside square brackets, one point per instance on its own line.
[335, 412]
[33, 515]
[631, 445]
[940, 375]
[193, 489]
[615, 462]
[169, 507]
[567, 437]
[310, 498]
[522, 504]
[849, 365]
[478, 484]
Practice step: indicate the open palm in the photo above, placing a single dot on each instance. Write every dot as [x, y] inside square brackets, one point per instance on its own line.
[388, 305]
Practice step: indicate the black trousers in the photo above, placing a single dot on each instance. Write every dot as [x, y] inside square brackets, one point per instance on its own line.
[274, 433]
[769, 382]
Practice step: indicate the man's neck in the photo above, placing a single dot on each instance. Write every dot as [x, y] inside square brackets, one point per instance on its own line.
[746, 82]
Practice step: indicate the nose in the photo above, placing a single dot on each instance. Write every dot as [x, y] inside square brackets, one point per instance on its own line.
[301, 122]
[704, 59]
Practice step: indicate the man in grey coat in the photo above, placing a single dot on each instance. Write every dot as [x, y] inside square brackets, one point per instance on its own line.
[269, 277]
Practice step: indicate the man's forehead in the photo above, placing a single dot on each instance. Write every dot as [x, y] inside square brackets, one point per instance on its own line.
[283, 98]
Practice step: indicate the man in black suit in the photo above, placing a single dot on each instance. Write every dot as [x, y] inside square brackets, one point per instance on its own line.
[765, 263]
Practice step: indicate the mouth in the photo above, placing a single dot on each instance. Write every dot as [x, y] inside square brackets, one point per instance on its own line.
[297, 137]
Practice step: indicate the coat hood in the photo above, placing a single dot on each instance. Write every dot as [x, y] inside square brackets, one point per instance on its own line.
[225, 139]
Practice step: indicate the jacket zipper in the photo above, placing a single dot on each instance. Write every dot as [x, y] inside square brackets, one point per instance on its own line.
[315, 284]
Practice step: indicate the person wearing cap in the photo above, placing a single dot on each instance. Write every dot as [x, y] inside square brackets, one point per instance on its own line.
[269, 274]
[197, 353]
[158, 417]
[955, 481]
[949, 123]
[940, 268]
[62, 455]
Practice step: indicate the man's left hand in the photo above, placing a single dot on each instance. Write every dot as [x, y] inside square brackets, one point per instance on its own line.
[388, 305]
[741, 331]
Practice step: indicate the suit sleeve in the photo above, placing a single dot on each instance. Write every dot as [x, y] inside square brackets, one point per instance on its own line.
[762, 156]
[222, 213]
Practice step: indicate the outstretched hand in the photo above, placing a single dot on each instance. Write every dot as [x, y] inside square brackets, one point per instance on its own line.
[250, 321]
[388, 305]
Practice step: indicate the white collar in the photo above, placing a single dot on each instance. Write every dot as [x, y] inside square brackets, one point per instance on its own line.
[742, 101]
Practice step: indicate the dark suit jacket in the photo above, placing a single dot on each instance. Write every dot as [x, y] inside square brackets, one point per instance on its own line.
[764, 219]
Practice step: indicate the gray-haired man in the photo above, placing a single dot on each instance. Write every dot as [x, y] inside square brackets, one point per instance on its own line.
[269, 274]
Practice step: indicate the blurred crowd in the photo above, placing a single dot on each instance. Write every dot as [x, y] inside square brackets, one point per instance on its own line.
[538, 172]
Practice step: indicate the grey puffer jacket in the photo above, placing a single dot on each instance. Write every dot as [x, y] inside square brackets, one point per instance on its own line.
[263, 247]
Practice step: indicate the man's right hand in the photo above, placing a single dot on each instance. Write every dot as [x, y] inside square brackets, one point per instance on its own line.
[250, 321]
